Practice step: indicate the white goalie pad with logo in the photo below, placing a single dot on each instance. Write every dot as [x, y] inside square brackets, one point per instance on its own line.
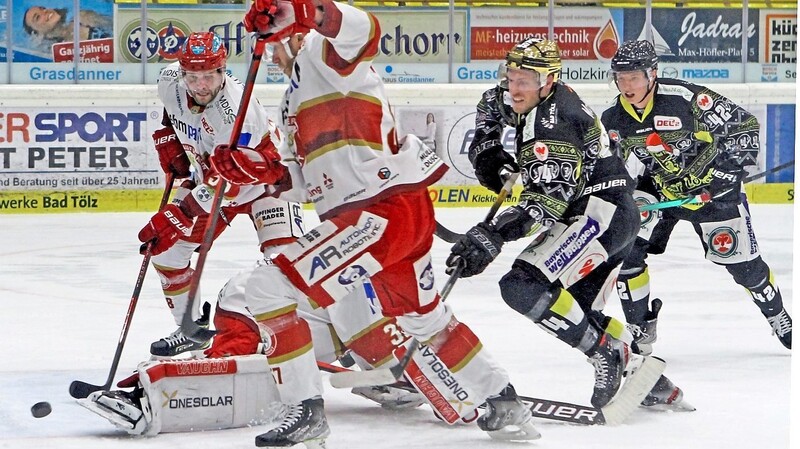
[195, 395]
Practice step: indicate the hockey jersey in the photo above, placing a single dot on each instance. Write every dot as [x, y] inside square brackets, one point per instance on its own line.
[563, 153]
[339, 122]
[200, 129]
[695, 125]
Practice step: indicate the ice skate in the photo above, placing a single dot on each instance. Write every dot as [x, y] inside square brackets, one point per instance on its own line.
[644, 334]
[390, 397]
[177, 343]
[507, 418]
[609, 361]
[303, 423]
[782, 327]
[121, 408]
[666, 396]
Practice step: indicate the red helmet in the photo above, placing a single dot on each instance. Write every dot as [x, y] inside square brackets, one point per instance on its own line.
[202, 51]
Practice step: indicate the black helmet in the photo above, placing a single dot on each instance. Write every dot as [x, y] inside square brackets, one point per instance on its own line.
[540, 55]
[633, 56]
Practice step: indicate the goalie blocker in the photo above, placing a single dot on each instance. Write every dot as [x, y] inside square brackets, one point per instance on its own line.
[192, 395]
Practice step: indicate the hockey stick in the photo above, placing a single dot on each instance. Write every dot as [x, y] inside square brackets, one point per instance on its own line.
[385, 376]
[772, 170]
[696, 199]
[704, 197]
[189, 328]
[79, 389]
[541, 408]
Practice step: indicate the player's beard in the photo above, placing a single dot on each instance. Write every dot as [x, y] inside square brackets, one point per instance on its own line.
[204, 96]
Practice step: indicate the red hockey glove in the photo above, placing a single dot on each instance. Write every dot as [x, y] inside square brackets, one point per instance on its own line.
[165, 228]
[170, 153]
[248, 166]
[279, 18]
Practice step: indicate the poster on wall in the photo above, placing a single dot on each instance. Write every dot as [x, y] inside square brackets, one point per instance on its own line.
[167, 29]
[420, 36]
[696, 35]
[58, 149]
[581, 33]
[778, 36]
[43, 31]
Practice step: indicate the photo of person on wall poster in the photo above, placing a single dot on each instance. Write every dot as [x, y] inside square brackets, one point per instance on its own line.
[44, 31]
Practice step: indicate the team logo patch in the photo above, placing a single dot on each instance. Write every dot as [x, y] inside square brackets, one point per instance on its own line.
[646, 215]
[613, 135]
[384, 173]
[704, 102]
[203, 195]
[327, 181]
[351, 274]
[723, 242]
[585, 266]
[426, 278]
[541, 151]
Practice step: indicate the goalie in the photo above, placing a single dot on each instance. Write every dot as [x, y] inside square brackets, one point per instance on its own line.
[235, 386]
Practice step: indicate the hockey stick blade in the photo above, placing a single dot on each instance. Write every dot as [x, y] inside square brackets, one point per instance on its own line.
[633, 391]
[446, 234]
[566, 412]
[79, 389]
[375, 377]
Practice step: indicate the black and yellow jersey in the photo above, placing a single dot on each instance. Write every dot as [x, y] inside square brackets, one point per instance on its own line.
[679, 134]
[563, 153]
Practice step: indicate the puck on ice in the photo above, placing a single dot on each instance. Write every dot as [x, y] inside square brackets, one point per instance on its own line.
[41, 409]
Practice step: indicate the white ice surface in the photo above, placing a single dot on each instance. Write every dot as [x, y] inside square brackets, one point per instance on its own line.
[66, 282]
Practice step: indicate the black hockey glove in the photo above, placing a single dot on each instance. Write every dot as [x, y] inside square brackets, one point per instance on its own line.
[475, 251]
[488, 166]
[726, 181]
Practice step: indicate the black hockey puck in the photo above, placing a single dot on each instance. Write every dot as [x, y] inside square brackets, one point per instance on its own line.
[41, 409]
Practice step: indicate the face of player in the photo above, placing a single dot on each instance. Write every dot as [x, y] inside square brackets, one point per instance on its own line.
[204, 86]
[283, 53]
[524, 89]
[635, 87]
[41, 19]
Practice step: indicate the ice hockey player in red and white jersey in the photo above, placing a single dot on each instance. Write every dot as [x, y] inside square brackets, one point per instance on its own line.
[200, 104]
[234, 387]
[377, 224]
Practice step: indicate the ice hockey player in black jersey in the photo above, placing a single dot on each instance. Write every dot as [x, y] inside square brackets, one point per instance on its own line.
[687, 141]
[576, 197]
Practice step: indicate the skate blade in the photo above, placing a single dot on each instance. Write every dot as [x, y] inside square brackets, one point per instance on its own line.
[633, 390]
[522, 432]
[106, 413]
[681, 406]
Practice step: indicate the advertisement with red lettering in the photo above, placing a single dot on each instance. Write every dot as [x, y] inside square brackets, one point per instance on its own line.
[581, 33]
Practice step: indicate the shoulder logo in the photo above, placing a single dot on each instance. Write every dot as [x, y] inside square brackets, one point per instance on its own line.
[704, 102]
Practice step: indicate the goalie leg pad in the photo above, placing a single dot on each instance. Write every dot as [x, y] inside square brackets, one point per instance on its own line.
[454, 372]
[208, 394]
[360, 324]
